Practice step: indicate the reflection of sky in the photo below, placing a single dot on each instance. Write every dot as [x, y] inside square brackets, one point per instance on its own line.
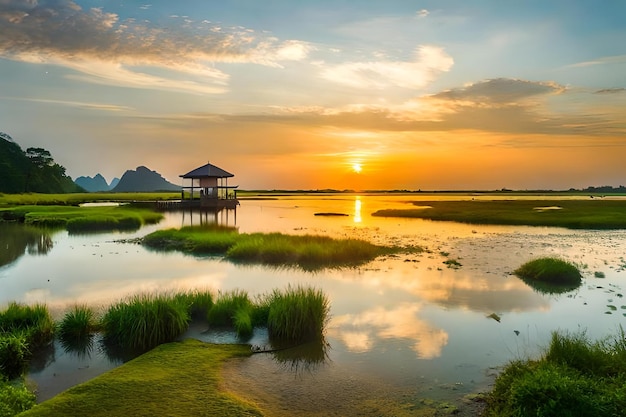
[410, 302]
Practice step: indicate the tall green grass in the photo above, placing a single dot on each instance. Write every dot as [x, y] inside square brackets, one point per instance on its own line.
[297, 314]
[550, 270]
[233, 309]
[575, 377]
[75, 199]
[145, 321]
[78, 323]
[198, 302]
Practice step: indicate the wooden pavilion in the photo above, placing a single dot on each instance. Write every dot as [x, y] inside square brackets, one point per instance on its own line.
[209, 188]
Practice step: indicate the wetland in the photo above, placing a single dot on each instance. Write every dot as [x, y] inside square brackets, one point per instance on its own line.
[405, 328]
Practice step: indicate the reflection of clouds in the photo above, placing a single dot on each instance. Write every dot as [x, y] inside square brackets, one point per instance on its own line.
[400, 323]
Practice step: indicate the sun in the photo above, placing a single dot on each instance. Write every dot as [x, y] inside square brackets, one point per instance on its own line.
[357, 167]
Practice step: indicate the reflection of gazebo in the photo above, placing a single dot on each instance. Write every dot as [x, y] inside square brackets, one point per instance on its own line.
[209, 188]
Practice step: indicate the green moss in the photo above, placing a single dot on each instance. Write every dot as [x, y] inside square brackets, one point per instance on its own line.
[175, 379]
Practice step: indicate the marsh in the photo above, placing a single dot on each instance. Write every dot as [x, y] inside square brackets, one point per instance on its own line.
[403, 327]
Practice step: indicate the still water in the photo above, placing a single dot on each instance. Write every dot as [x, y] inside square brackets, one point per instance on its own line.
[402, 328]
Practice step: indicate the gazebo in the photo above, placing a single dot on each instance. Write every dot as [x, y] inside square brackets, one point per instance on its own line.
[209, 188]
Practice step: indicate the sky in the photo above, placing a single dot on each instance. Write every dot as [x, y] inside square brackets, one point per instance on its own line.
[342, 94]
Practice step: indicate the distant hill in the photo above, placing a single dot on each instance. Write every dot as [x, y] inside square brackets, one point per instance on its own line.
[93, 184]
[31, 171]
[143, 180]
[114, 183]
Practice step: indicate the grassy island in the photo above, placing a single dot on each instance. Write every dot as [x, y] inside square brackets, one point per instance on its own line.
[574, 214]
[550, 271]
[82, 219]
[309, 252]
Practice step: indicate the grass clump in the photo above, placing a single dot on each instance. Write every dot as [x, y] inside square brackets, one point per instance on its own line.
[145, 321]
[297, 314]
[23, 330]
[181, 378]
[15, 398]
[576, 377]
[78, 324]
[550, 270]
[198, 302]
[233, 309]
[308, 251]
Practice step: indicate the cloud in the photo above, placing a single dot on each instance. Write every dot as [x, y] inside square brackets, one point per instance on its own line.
[611, 91]
[615, 59]
[500, 91]
[428, 62]
[80, 104]
[62, 33]
[423, 13]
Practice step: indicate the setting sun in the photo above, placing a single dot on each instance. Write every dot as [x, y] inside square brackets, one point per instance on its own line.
[356, 167]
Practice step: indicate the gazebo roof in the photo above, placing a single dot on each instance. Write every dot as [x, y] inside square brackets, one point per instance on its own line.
[207, 171]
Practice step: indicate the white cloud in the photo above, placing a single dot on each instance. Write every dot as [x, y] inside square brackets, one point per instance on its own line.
[428, 63]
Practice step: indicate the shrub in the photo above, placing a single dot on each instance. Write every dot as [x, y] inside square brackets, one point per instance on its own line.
[145, 321]
[550, 270]
[14, 398]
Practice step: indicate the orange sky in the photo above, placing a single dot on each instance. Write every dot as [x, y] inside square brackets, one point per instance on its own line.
[290, 95]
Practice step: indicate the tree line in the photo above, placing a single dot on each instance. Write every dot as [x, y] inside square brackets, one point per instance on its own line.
[32, 171]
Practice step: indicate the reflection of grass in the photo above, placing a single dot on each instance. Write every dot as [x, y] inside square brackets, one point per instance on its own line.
[174, 379]
[452, 264]
[575, 377]
[575, 214]
[308, 252]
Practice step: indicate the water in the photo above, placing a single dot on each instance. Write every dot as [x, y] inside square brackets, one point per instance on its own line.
[402, 327]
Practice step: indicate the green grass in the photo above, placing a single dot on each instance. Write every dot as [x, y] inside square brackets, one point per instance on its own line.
[232, 309]
[198, 302]
[174, 379]
[74, 199]
[23, 330]
[297, 314]
[575, 377]
[82, 219]
[78, 323]
[308, 252]
[550, 270]
[573, 214]
[145, 321]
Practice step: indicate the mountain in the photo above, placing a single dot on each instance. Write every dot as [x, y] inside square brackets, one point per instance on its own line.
[31, 171]
[95, 184]
[143, 180]
[114, 183]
